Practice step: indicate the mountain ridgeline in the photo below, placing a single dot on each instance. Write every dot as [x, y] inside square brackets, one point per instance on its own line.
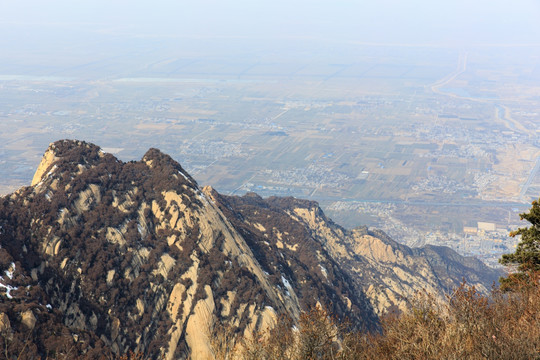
[99, 257]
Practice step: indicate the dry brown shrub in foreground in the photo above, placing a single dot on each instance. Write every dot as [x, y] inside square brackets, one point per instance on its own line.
[469, 326]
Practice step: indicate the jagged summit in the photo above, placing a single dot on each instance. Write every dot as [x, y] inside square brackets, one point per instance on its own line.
[65, 147]
[154, 158]
[108, 256]
[68, 154]
[67, 151]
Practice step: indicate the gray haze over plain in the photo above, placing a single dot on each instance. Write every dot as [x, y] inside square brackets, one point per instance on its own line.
[81, 28]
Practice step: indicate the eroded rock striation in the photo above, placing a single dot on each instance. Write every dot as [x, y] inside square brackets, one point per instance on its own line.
[99, 257]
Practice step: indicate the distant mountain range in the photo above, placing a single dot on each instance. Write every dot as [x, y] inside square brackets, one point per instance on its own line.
[99, 257]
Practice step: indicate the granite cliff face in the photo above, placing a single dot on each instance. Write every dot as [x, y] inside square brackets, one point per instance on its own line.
[99, 257]
[389, 273]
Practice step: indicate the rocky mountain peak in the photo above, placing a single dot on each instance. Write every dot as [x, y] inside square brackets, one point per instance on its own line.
[137, 255]
[105, 256]
[66, 156]
[156, 159]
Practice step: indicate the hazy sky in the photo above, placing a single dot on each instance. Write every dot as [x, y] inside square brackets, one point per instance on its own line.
[453, 22]
[119, 36]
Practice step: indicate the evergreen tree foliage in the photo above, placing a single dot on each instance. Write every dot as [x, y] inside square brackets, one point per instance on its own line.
[527, 255]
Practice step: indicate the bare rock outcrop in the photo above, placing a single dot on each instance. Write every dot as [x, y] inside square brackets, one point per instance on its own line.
[28, 319]
[5, 324]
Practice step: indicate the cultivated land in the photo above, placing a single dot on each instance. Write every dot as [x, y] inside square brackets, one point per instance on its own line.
[421, 142]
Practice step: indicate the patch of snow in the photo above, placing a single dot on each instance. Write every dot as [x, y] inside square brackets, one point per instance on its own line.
[9, 273]
[287, 284]
[185, 177]
[48, 306]
[323, 270]
[8, 289]
[203, 198]
[51, 171]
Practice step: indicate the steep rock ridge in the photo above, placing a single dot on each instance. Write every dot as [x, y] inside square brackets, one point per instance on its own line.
[46, 162]
[388, 272]
[109, 256]
[286, 249]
